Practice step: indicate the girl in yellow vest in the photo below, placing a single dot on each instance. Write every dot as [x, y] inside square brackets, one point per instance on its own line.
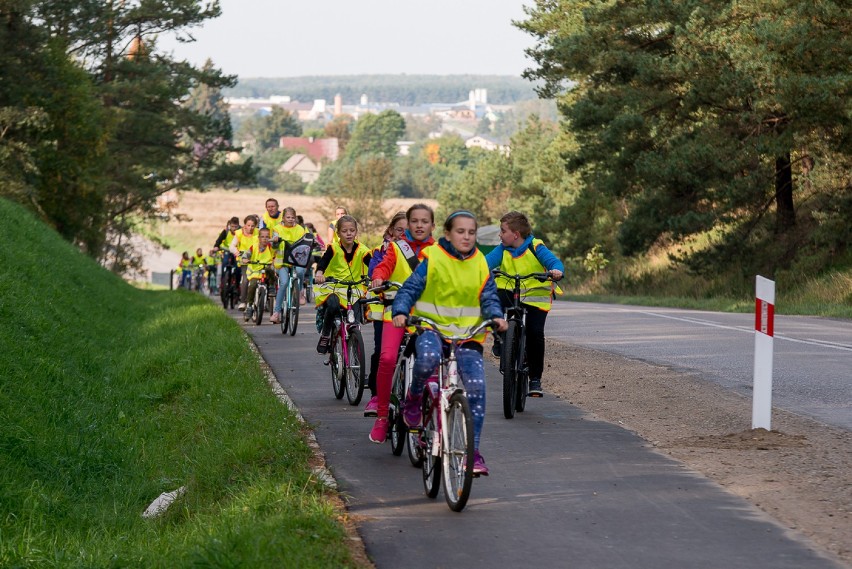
[287, 232]
[185, 267]
[333, 237]
[240, 248]
[452, 286]
[520, 253]
[346, 260]
[399, 261]
[395, 230]
[260, 254]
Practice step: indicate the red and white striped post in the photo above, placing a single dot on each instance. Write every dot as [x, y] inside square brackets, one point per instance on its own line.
[764, 331]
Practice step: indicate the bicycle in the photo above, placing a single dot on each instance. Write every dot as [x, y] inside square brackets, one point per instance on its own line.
[229, 291]
[198, 278]
[446, 438]
[346, 356]
[290, 310]
[402, 376]
[513, 364]
[255, 308]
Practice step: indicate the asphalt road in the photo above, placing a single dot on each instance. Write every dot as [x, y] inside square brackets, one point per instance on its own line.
[565, 490]
[812, 356]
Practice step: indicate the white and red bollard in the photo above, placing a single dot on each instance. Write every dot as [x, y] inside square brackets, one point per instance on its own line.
[764, 332]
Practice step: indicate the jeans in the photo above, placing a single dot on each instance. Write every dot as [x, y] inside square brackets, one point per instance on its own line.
[536, 318]
[185, 278]
[471, 369]
[284, 283]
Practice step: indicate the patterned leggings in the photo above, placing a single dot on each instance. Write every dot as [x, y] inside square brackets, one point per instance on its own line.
[471, 369]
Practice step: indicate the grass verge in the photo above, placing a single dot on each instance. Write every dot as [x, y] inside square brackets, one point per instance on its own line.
[111, 395]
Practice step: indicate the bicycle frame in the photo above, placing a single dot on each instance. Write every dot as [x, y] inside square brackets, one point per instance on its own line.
[448, 396]
[515, 372]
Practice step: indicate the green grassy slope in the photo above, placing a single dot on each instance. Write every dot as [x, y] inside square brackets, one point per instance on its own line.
[110, 395]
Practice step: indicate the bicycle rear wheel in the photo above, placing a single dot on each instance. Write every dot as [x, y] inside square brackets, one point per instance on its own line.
[510, 370]
[431, 438]
[223, 293]
[355, 369]
[293, 320]
[336, 359]
[457, 455]
[285, 313]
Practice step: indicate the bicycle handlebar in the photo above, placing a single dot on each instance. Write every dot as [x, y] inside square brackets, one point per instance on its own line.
[332, 280]
[385, 286]
[425, 323]
[539, 276]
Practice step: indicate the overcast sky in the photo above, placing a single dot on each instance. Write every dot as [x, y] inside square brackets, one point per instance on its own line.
[286, 38]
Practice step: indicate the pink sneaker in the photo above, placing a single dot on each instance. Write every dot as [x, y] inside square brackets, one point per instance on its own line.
[379, 434]
[411, 412]
[479, 468]
[372, 408]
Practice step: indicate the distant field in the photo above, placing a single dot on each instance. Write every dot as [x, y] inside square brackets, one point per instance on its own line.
[209, 212]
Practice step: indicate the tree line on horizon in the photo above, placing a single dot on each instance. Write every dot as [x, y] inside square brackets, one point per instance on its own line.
[408, 90]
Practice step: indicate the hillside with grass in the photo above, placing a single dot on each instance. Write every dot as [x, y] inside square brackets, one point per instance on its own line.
[110, 396]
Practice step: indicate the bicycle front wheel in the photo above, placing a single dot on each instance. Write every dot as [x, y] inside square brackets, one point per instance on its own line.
[336, 360]
[261, 304]
[293, 320]
[355, 369]
[398, 428]
[510, 369]
[457, 455]
[431, 449]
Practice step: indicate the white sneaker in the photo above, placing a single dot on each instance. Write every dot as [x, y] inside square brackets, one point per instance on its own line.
[241, 306]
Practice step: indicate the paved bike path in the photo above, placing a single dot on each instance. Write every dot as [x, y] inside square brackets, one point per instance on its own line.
[565, 489]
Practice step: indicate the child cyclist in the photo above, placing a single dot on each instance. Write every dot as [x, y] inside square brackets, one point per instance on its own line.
[399, 262]
[243, 240]
[453, 287]
[288, 232]
[395, 230]
[185, 268]
[261, 254]
[521, 253]
[345, 260]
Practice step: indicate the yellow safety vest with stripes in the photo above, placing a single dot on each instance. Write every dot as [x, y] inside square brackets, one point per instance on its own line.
[340, 269]
[272, 222]
[245, 242]
[287, 235]
[226, 242]
[198, 261]
[258, 258]
[401, 271]
[533, 292]
[453, 288]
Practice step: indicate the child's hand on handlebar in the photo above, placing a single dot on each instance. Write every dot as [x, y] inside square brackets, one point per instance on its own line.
[399, 320]
[502, 325]
[319, 278]
[376, 283]
[556, 274]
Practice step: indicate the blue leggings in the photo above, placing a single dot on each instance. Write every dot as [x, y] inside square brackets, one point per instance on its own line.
[284, 275]
[471, 369]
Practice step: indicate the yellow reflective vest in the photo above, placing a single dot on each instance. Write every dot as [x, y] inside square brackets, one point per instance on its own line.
[272, 222]
[453, 288]
[533, 292]
[288, 235]
[246, 242]
[258, 259]
[340, 269]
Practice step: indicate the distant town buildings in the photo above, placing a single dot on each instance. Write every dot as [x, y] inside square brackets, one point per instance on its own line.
[462, 118]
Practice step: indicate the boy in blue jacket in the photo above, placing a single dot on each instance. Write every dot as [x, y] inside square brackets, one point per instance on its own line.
[520, 252]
